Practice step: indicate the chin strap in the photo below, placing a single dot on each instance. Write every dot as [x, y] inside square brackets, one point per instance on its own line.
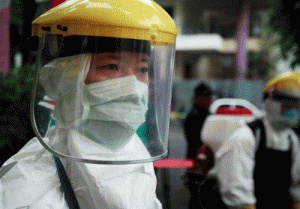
[66, 185]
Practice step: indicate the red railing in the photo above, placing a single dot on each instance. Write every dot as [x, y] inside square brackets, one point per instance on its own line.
[56, 2]
[173, 163]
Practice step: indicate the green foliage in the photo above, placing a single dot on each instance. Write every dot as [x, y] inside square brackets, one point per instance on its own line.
[284, 20]
[15, 95]
[16, 83]
[262, 62]
[259, 65]
[16, 87]
[17, 10]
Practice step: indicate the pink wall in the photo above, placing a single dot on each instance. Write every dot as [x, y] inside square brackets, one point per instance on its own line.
[4, 39]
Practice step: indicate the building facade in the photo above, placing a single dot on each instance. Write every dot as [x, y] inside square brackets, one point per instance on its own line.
[216, 37]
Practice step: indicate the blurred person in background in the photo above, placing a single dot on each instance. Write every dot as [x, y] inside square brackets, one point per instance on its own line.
[192, 128]
[195, 119]
[94, 65]
[259, 164]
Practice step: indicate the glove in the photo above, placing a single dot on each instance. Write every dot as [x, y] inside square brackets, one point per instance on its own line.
[204, 159]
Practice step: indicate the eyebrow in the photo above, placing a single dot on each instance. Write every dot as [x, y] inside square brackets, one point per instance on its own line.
[115, 57]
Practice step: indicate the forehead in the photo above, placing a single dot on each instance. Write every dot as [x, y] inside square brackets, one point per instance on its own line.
[123, 56]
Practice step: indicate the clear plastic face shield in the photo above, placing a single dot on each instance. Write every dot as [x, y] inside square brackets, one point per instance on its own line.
[103, 100]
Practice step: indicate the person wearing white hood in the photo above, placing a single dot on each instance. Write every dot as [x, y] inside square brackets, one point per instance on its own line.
[259, 165]
[107, 66]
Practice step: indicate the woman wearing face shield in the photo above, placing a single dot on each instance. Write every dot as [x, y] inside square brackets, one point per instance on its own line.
[259, 166]
[109, 82]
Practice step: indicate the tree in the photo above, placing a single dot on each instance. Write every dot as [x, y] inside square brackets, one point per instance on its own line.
[284, 21]
[22, 13]
[16, 87]
[15, 95]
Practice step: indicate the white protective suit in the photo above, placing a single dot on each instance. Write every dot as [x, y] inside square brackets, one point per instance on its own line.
[30, 178]
[237, 160]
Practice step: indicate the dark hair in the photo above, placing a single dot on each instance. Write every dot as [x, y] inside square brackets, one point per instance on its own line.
[203, 89]
[59, 46]
[91, 44]
[279, 97]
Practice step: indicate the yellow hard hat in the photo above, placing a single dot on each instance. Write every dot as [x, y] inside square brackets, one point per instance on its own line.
[131, 19]
[287, 83]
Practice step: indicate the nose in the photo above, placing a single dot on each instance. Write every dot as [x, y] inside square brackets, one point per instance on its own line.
[129, 70]
[134, 69]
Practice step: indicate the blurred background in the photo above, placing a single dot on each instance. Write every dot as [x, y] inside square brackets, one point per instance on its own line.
[234, 46]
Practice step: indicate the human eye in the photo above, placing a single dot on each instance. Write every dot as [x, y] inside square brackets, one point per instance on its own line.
[109, 67]
[144, 70]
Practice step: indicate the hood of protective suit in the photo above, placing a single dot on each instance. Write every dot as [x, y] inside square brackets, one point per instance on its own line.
[63, 80]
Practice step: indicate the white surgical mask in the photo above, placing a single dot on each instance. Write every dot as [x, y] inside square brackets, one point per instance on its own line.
[292, 116]
[114, 110]
[278, 119]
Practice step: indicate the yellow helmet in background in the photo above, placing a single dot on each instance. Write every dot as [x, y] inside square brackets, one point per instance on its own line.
[287, 84]
[131, 19]
[282, 100]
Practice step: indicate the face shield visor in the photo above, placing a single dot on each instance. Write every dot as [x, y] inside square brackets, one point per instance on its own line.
[282, 110]
[103, 100]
